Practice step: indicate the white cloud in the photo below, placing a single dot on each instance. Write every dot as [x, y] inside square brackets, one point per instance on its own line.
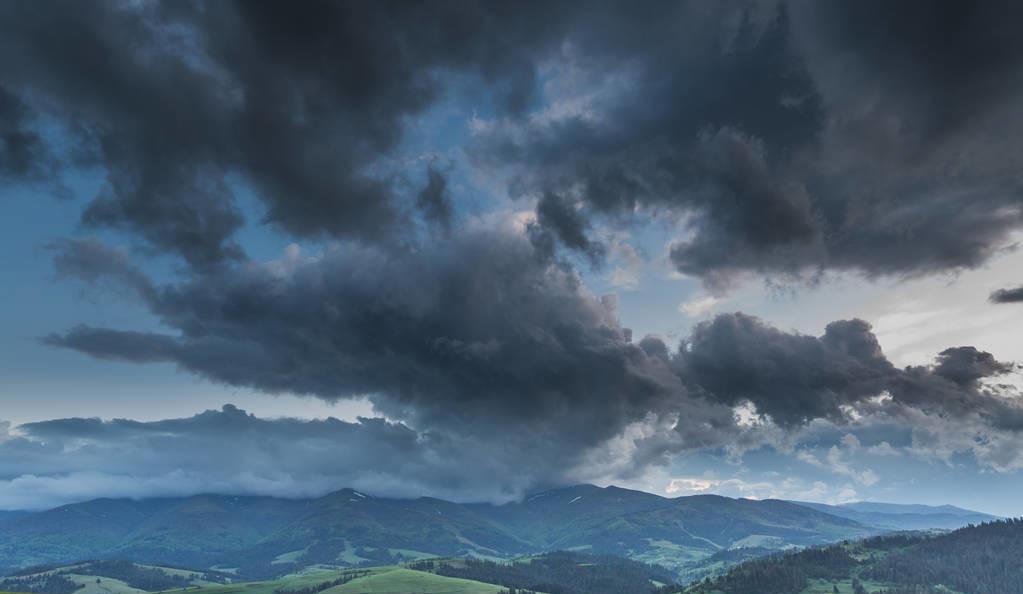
[882, 449]
[851, 441]
[836, 460]
[699, 306]
[789, 488]
[690, 486]
[626, 261]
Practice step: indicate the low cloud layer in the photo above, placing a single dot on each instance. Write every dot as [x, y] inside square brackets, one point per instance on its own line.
[230, 451]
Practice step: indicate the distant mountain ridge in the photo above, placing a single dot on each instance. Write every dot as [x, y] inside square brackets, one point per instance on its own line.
[266, 536]
[897, 516]
[261, 536]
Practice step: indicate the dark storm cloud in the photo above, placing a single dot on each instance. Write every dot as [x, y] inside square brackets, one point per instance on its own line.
[949, 61]
[741, 123]
[473, 335]
[867, 137]
[504, 374]
[22, 152]
[714, 98]
[174, 100]
[435, 201]
[796, 378]
[965, 366]
[123, 345]
[789, 138]
[555, 214]
[791, 377]
[1014, 295]
[94, 262]
[494, 352]
[482, 334]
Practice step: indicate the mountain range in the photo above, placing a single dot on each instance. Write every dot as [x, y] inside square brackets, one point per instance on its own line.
[265, 536]
[904, 516]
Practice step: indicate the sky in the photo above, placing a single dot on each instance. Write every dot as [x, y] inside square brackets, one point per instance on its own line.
[475, 250]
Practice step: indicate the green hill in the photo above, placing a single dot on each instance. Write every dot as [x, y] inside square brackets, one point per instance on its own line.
[99, 578]
[404, 581]
[553, 573]
[108, 577]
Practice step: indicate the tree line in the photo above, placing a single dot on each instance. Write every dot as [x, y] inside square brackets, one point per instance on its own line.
[47, 584]
[53, 580]
[344, 578]
[136, 576]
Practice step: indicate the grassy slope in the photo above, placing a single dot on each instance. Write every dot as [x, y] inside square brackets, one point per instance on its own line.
[403, 581]
[308, 577]
[381, 580]
[105, 586]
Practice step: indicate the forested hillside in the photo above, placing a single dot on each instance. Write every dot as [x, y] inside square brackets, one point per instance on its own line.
[981, 559]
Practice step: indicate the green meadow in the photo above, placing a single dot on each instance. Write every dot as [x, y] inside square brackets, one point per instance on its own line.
[390, 579]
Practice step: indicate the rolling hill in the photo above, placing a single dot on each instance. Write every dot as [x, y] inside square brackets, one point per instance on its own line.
[109, 577]
[554, 573]
[670, 532]
[265, 536]
[120, 577]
